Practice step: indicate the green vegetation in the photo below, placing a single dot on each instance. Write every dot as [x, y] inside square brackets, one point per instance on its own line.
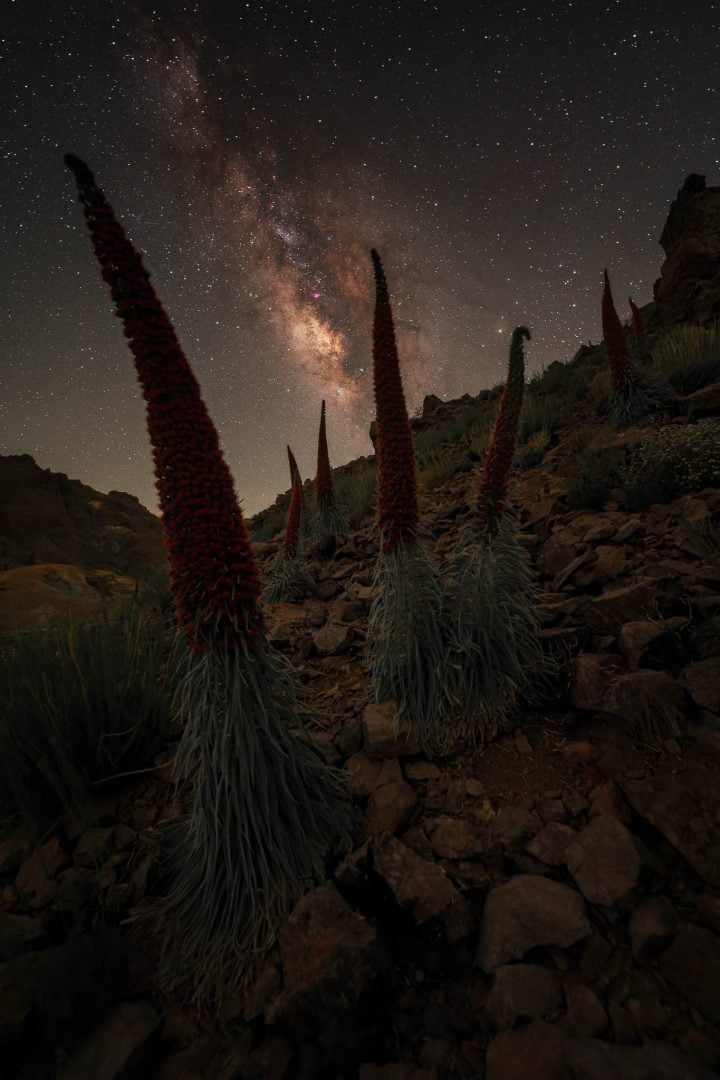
[688, 356]
[80, 705]
[671, 462]
[355, 492]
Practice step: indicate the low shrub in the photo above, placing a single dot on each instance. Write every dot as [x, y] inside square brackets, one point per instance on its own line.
[355, 492]
[437, 467]
[79, 705]
[688, 356]
[676, 460]
[599, 473]
[272, 523]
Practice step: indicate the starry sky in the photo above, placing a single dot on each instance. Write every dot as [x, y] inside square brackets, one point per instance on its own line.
[498, 155]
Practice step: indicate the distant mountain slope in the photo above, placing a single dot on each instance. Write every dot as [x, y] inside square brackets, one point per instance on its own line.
[47, 518]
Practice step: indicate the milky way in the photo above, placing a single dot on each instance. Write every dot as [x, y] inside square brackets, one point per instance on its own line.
[498, 156]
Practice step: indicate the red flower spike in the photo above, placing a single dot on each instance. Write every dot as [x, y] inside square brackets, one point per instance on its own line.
[292, 530]
[396, 480]
[637, 319]
[495, 477]
[214, 577]
[624, 375]
[294, 471]
[323, 479]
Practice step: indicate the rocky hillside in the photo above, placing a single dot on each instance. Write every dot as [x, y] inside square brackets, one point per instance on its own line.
[64, 546]
[544, 907]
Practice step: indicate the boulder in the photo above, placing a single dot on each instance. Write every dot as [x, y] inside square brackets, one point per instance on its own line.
[522, 992]
[686, 813]
[689, 282]
[551, 842]
[383, 737]
[604, 860]
[525, 912]
[454, 838]
[333, 639]
[418, 884]
[328, 952]
[702, 682]
[389, 808]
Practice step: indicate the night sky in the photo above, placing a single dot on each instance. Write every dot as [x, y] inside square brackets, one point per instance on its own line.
[498, 155]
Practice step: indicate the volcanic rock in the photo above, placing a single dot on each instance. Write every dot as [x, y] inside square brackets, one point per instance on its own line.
[689, 282]
[604, 860]
[525, 912]
[380, 735]
[522, 992]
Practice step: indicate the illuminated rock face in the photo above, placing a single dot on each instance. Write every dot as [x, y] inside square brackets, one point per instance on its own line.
[689, 284]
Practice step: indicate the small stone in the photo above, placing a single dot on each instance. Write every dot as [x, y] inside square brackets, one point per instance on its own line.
[585, 1012]
[575, 803]
[474, 788]
[652, 926]
[333, 639]
[522, 992]
[579, 753]
[421, 771]
[362, 773]
[512, 824]
[525, 912]
[40, 868]
[604, 860]
[521, 742]
[551, 810]
[389, 808]
[416, 883]
[94, 847]
[702, 681]
[454, 838]
[380, 736]
[550, 843]
[592, 674]
[325, 947]
[609, 799]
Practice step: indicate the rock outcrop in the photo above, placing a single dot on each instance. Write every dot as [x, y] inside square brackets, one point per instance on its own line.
[689, 284]
[47, 518]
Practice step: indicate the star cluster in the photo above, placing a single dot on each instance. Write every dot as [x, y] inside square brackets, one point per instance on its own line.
[497, 155]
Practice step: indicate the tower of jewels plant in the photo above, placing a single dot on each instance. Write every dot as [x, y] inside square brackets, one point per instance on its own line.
[496, 653]
[263, 806]
[328, 519]
[288, 578]
[634, 395]
[638, 323]
[406, 633]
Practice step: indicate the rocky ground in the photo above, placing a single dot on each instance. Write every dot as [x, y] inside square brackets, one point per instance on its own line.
[546, 907]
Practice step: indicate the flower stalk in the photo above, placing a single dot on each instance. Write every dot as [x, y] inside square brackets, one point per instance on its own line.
[264, 807]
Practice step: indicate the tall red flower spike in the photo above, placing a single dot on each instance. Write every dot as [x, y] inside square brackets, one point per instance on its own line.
[396, 479]
[294, 471]
[214, 577]
[323, 479]
[624, 375]
[292, 530]
[637, 319]
[495, 477]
